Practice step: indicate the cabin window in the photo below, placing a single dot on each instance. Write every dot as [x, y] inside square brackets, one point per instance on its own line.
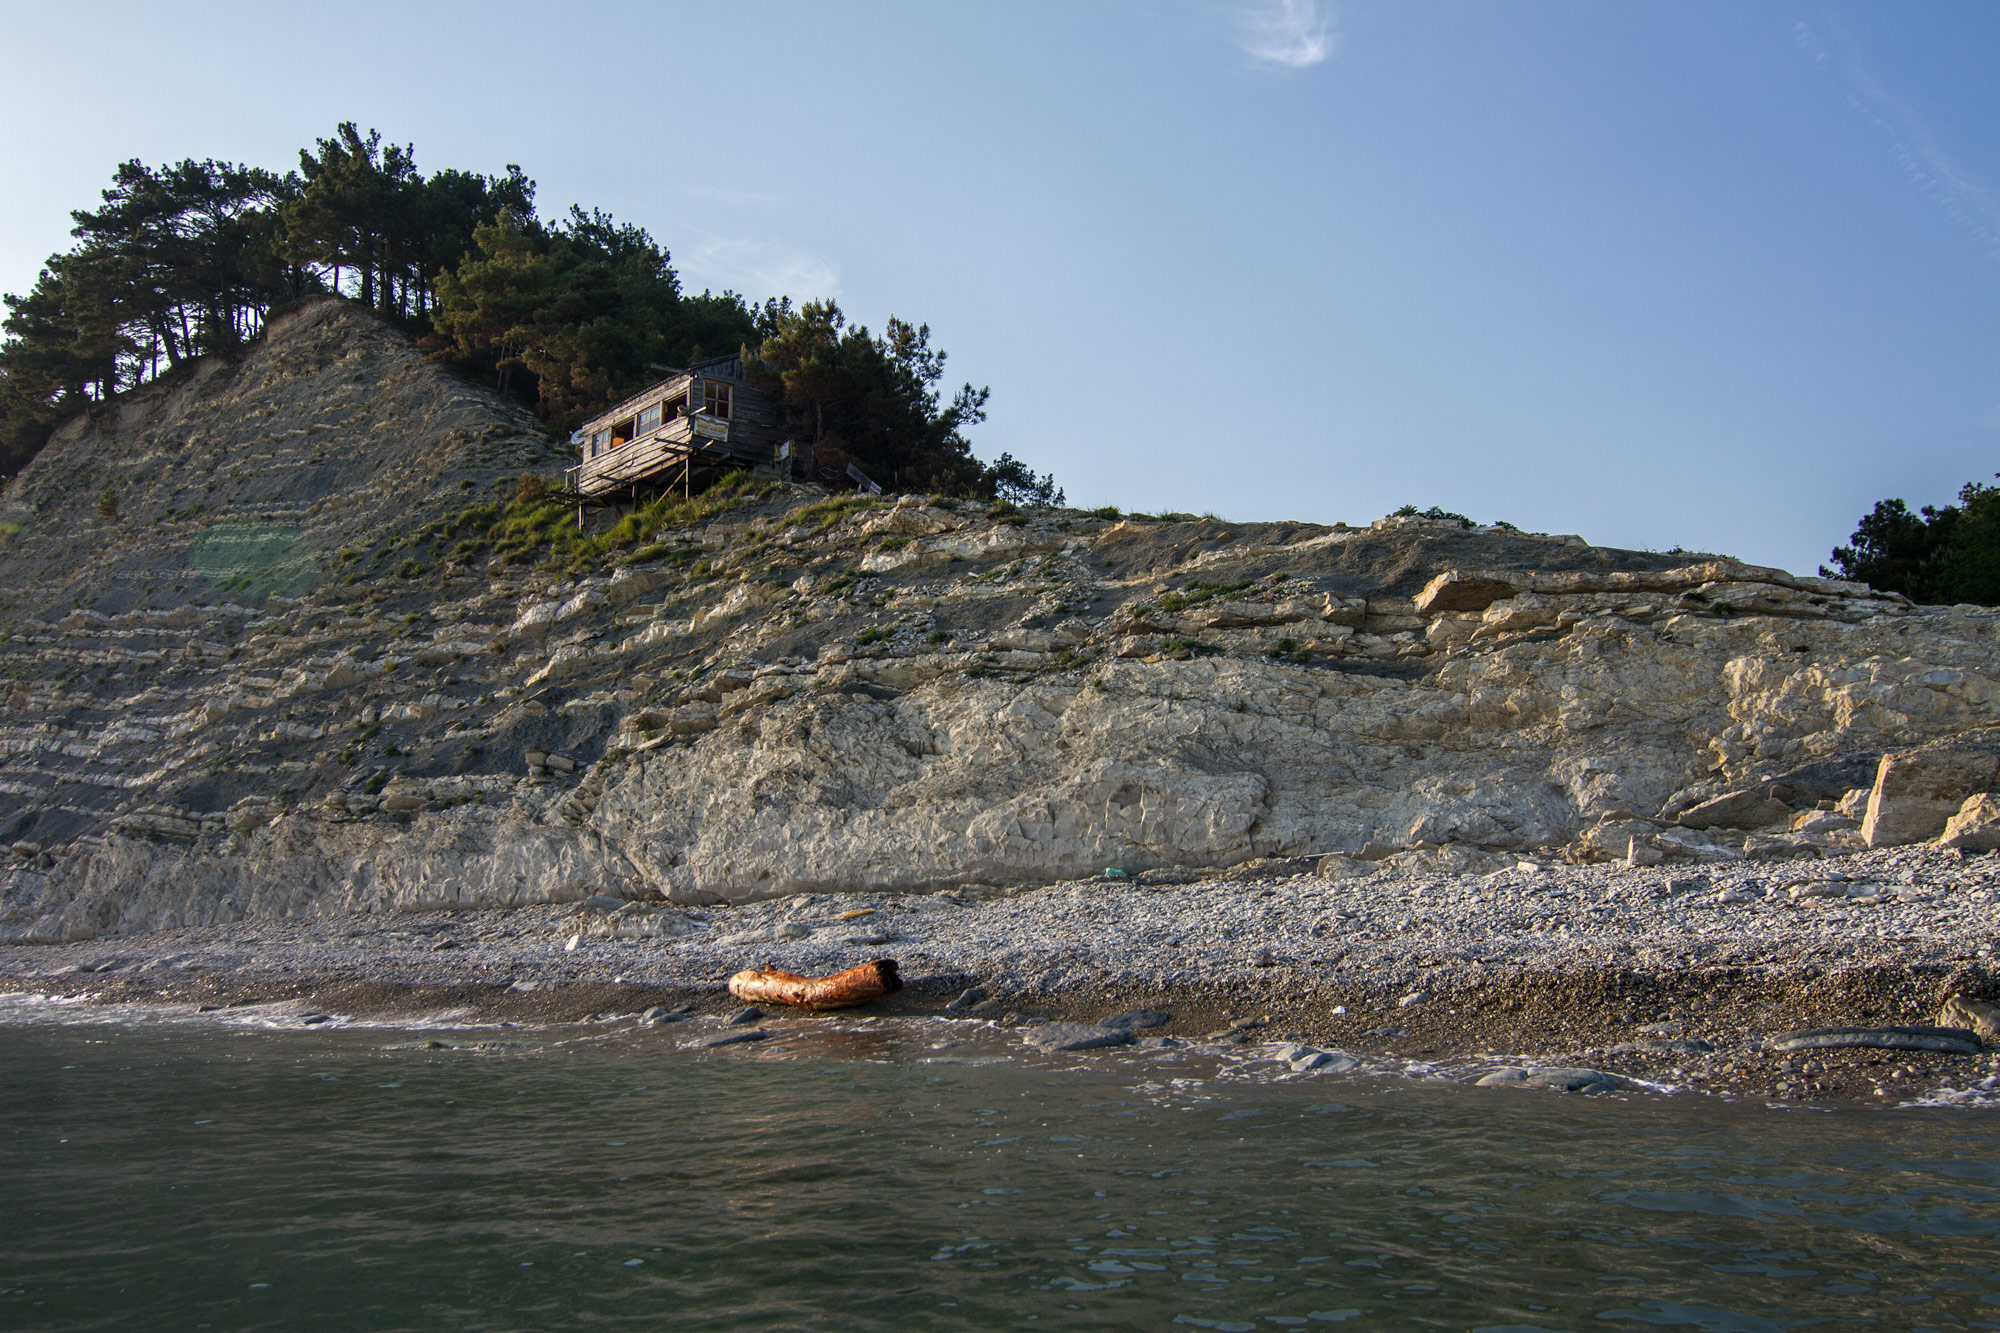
[620, 433]
[715, 399]
[599, 442]
[649, 418]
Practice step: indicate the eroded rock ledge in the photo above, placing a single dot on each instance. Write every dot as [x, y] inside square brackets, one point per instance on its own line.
[808, 694]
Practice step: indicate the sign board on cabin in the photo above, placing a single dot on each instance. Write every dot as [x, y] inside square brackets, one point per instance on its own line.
[709, 428]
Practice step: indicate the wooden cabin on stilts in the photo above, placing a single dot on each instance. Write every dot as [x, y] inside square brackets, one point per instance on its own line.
[707, 416]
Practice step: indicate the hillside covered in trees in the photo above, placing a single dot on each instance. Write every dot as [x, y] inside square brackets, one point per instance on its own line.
[567, 315]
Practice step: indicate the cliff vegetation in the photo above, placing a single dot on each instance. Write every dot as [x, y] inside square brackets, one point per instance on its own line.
[565, 316]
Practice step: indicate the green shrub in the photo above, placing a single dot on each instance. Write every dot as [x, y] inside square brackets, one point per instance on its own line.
[1411, 511]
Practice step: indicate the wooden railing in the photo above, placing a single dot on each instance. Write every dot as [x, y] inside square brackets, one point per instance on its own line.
[666, 447]
[698, 438]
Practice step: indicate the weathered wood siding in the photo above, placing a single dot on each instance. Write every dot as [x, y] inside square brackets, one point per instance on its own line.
[748, 437]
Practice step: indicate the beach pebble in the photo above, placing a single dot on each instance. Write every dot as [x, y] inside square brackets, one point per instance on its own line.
[1074, 1036]
[1414, 997]
[792, 930]
[1575, 1080]
[1503, 1078]
[742, 1016]
[729, 1039]
[1324, 1062]
[1135, 1019]
[967, 998]
[1303, 1059]
[1565, 1080]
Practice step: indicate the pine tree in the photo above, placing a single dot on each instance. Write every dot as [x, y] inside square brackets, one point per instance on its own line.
[872, 402]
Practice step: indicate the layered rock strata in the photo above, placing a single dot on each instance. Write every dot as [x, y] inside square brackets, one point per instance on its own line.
[248, 672]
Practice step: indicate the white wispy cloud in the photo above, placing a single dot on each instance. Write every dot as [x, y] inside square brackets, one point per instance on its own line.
[759, 268]
[1965, 198]
[1292, 33]
[721, 194]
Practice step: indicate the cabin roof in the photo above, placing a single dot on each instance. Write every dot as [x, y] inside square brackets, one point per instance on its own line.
[715, 368]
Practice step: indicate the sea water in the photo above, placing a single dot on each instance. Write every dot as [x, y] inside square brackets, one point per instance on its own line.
[189, 1175]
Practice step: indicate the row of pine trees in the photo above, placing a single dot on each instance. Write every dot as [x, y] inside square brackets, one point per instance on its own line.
[569, 315]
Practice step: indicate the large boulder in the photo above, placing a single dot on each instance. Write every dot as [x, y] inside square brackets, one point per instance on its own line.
[1976, 826]
[1751, 809]
[1461, 590]
[1962, 1011]
[1918, 791]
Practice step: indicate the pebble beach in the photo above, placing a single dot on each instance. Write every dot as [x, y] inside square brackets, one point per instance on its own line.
[1675, 977]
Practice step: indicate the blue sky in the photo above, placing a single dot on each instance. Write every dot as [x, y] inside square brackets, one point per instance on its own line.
[1717, 275]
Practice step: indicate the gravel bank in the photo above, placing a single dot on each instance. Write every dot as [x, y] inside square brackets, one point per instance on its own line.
[1672, 975]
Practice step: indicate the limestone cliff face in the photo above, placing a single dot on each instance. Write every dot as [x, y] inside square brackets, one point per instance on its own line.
[242, 687]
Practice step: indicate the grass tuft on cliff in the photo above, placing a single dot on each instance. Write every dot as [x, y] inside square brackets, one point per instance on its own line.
[531, 527]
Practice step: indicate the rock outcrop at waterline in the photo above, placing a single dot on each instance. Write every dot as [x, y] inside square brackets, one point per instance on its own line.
[246, 674]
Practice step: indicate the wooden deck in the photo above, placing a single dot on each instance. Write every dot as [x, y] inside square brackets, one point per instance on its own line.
[678, 444]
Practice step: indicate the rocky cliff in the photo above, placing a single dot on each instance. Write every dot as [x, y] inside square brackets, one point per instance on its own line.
[248, 670]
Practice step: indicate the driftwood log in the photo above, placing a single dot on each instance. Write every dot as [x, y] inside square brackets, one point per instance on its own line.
[842, 990]
[1943, 1041]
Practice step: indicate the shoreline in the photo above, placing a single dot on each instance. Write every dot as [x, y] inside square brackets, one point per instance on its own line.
[1668, 975]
